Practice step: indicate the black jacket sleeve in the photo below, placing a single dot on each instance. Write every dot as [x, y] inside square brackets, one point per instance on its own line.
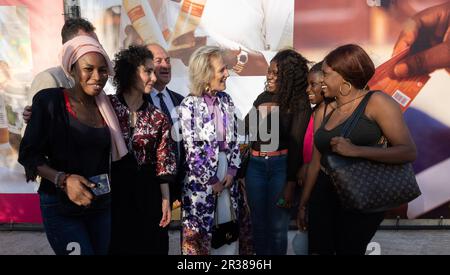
[34, 145]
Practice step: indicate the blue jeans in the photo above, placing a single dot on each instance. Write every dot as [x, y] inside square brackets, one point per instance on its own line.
[87, 234]
[265, 181]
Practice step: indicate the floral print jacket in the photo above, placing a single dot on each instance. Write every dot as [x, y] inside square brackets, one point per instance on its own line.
[150, 140]
[202, 150]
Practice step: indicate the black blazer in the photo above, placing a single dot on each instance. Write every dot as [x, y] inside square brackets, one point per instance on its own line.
[47, 139]
[176, 187]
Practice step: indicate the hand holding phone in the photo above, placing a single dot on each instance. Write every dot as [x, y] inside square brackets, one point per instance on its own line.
[102, 185]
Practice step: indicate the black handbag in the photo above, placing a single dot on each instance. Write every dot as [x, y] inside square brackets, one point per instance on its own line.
[224, 233]
[369, 186]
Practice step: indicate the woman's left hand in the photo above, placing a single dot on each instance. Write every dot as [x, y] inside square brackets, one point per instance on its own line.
[301, 175]
[288, 195]
[343, 147]
[228, 181]
[166, 213]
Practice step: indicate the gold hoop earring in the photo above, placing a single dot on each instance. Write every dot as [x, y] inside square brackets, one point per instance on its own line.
[349, 89]
[207, 89]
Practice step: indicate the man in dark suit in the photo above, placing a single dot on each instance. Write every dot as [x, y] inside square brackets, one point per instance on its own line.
[167, 100]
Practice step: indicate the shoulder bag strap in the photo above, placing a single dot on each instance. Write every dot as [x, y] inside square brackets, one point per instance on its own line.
[354, 118]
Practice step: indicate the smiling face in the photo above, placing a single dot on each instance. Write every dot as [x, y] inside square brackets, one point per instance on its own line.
[161, 62]
[271, 77]
[90, 73]
[218, 81]
[314, 89]
[332, 80]
[145, 77]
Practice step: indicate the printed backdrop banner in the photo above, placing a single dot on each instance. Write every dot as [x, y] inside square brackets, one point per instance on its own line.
[30, 41]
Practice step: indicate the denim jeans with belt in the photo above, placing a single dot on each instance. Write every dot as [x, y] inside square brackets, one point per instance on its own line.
[87, 234]
[265, 181]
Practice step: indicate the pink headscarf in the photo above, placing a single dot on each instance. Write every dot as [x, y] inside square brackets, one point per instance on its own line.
[78, 46]
[73, 50]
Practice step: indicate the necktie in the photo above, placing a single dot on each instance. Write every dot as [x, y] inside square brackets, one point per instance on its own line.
[163, 106]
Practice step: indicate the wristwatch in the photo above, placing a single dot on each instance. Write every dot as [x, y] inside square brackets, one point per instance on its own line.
[242, 59]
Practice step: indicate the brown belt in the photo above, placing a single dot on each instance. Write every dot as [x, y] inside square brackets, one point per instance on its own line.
[269, 154]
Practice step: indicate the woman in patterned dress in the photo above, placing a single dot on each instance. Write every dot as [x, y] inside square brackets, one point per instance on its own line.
[141, 209]
[209, 129]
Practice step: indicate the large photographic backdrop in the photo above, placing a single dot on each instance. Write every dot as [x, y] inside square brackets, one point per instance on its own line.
[29, 43]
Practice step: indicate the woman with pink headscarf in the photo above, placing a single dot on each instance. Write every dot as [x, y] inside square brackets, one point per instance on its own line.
[70, 141]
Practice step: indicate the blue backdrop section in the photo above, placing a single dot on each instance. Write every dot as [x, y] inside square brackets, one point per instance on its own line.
[432, 139]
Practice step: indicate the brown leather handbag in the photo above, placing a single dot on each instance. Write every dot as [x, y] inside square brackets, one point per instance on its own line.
[369, 186]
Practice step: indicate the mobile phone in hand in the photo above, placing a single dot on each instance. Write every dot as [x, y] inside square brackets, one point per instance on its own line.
[102, 185]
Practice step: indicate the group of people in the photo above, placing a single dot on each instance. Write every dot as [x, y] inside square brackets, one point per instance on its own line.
[152, 146]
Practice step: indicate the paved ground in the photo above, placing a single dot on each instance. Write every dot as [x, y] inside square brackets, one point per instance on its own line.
[402, 242]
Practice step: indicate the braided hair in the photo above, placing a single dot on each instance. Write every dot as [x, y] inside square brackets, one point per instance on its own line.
[292, 81]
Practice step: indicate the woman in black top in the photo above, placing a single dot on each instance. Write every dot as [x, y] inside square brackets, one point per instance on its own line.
[333, 229]
[276, 154]
[66, 143]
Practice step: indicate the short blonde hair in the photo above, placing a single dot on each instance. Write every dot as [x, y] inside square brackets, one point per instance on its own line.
[201, 71]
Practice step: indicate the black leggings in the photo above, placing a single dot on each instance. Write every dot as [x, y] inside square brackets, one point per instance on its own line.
[334, 230]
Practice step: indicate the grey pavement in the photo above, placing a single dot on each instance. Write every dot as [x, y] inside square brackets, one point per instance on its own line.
[391, 242]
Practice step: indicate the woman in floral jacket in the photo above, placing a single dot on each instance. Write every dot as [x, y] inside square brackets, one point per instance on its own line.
[209, 129]
[140, 209]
